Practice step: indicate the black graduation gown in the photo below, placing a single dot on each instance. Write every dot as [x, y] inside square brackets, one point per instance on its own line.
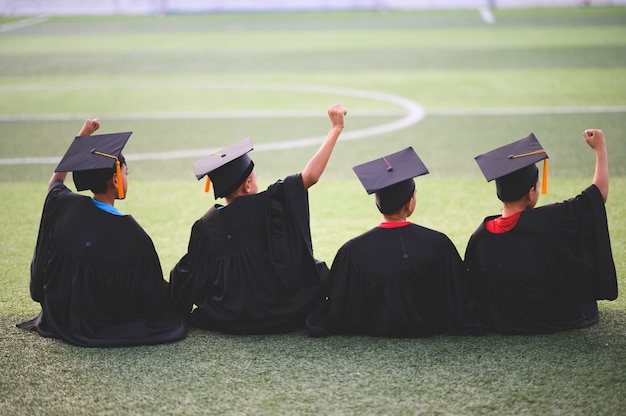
[545, 274]
[249, 267]
[98, 278]
[398, 282]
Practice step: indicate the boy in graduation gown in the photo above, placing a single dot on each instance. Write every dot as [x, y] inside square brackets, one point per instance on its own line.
[95, 271]
[398, 279]
[541, 270]
[249, 267]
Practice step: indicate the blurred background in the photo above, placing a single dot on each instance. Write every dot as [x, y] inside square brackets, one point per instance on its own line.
[78, 7]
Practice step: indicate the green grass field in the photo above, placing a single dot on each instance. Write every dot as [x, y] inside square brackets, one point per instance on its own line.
[188, 83]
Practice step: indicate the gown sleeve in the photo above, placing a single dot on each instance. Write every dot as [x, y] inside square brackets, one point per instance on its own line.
[335, 288]
[181, 276]
[582, 246]
[45, 241]
[288, 230]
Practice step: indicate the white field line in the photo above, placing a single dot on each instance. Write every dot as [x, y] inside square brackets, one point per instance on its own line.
[407, 119]
[526, 111]
[179, 154]
[194, 115]
[19, 24]
[412, 113]
[222, 115]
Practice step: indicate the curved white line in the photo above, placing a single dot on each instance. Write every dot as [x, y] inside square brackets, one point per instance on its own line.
[414, 113]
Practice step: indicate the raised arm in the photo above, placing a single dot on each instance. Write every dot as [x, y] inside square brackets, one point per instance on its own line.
[314, 169]
[595, 140]
[88, 128]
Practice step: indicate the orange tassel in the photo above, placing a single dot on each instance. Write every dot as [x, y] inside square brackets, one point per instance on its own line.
[207, 185]
[544, 180]
[120, 181]
[118, 172]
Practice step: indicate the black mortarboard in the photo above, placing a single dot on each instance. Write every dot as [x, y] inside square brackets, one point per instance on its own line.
[513, 167]
[91, 157]
[227, 168]
[391, 178]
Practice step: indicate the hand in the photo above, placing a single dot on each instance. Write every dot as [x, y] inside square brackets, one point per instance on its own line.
[89, 127]
[314, 169]
[595, 139]
[336, 114]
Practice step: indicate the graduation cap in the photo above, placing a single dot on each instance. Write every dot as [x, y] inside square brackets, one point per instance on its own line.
[227, 168]
[513, 167]
[92, 158]
[391, 178]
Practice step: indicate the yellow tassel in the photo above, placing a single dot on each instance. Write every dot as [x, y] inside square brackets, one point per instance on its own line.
[544, 181]
[207, 185]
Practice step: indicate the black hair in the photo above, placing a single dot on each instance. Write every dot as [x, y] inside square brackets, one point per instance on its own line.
[392, 198]
[516, 184]
[95, 179]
